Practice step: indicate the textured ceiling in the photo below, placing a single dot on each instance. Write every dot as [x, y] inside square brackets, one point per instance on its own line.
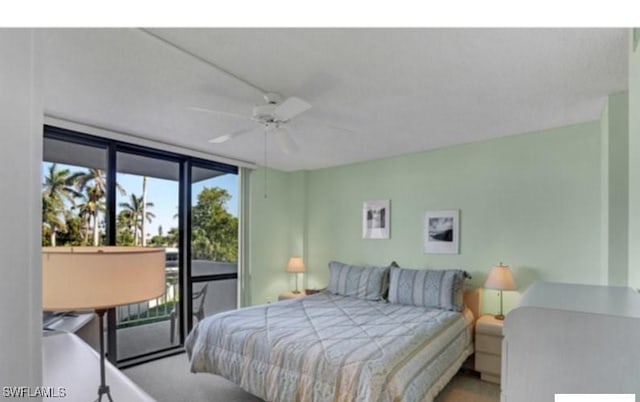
[398, 91]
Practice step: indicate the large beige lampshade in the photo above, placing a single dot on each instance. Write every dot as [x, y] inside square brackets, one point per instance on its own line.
[76, 278]
[295, 265]
[500, 278]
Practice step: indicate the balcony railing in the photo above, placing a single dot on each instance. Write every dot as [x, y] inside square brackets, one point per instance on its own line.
[160, 309]
[155, 310]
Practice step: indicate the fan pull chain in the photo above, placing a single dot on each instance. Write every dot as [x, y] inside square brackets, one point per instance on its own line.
[265, 164]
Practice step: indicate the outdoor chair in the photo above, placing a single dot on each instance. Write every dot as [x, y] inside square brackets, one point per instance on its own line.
[197, 298]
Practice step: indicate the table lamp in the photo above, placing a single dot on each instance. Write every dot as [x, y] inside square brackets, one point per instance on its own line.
[295, 266]
[500, 278]
[99, 278]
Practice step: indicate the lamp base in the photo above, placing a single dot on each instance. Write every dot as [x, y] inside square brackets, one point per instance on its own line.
[295, 292]
[102, 390]
[499, 317]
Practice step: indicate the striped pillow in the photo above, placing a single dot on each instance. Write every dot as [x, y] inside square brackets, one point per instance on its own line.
[369, 283]
[427, 288]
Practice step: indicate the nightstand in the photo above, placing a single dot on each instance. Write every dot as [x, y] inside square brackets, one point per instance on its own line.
[489, 348]
[290, 295]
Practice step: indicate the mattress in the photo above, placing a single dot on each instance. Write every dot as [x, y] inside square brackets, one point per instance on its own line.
[327, 347]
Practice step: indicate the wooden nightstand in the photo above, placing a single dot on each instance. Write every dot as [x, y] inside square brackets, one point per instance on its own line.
[290, 295]
[489, 348]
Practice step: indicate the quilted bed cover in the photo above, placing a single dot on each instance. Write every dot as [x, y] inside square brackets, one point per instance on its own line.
[326, 347]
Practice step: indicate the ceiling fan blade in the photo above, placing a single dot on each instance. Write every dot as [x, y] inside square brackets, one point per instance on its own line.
[228, 136]
[200, 109]
[285, 141]
[290, 108]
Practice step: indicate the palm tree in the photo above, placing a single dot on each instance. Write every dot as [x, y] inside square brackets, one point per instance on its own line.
[144, 210]
[51, 222]
[57, 187]
[128, 217]
[124, 229]
[136, 212]
[94, 183]
[90, 210]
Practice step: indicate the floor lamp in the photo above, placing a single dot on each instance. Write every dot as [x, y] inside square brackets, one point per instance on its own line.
[100, 278]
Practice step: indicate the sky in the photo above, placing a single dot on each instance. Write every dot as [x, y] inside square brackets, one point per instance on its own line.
[164, 195]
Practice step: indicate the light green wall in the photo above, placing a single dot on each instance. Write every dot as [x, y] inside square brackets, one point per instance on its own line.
[532, 201]
[270, 233]
[634, 164]
[277, 225]
[604, 185]
[615, 188]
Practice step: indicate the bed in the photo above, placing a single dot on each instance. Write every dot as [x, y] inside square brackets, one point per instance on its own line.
[336, 346]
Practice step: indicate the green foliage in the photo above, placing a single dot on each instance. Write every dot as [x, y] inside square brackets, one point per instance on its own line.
[124, 232]
[72, 204]
[214, 229]
[75, 234]
[132, 213]
[92, 185]
[57, 188]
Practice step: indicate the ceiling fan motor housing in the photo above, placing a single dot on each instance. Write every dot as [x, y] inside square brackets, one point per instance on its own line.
[264, 113]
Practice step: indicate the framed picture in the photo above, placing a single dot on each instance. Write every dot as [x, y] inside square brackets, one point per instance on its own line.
[442, 232]
[376, 216]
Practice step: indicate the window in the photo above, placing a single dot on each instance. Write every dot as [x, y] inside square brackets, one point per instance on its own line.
[214, 241]
[98, 191]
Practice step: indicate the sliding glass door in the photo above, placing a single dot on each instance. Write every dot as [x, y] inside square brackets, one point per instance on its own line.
[147, 205]
[98, 191]
[214, 241]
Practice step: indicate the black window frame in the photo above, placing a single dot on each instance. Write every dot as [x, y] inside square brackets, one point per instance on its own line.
[186, 163]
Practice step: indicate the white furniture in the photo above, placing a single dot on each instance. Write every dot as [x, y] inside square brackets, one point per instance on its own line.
[290, 295]
[85, 325]
[488, 348]
[572, 339]
[72, 367]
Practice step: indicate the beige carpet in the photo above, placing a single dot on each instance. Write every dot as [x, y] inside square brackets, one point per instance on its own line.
[169, 380]
[468, 387]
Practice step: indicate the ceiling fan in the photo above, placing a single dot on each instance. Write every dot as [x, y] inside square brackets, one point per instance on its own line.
[274, 117]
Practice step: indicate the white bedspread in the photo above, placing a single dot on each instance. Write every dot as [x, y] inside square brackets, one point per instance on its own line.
[333, 348]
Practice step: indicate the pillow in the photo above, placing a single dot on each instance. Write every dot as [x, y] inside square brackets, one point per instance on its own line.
[369, 283]
[427, 288]
[385, 281]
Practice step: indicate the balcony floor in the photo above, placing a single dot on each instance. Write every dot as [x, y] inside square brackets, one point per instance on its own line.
[135, 341]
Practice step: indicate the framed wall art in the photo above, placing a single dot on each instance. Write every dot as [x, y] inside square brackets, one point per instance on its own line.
[376, 218]
[442, 232]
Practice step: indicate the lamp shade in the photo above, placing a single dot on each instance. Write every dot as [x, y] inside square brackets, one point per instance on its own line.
[100, 277]
[500, 278]
[295, 265]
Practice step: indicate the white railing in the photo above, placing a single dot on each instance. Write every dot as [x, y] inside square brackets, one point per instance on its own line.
[158, 309]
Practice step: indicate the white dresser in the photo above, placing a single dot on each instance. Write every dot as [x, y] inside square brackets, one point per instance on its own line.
[71, 369]
[572, 339]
